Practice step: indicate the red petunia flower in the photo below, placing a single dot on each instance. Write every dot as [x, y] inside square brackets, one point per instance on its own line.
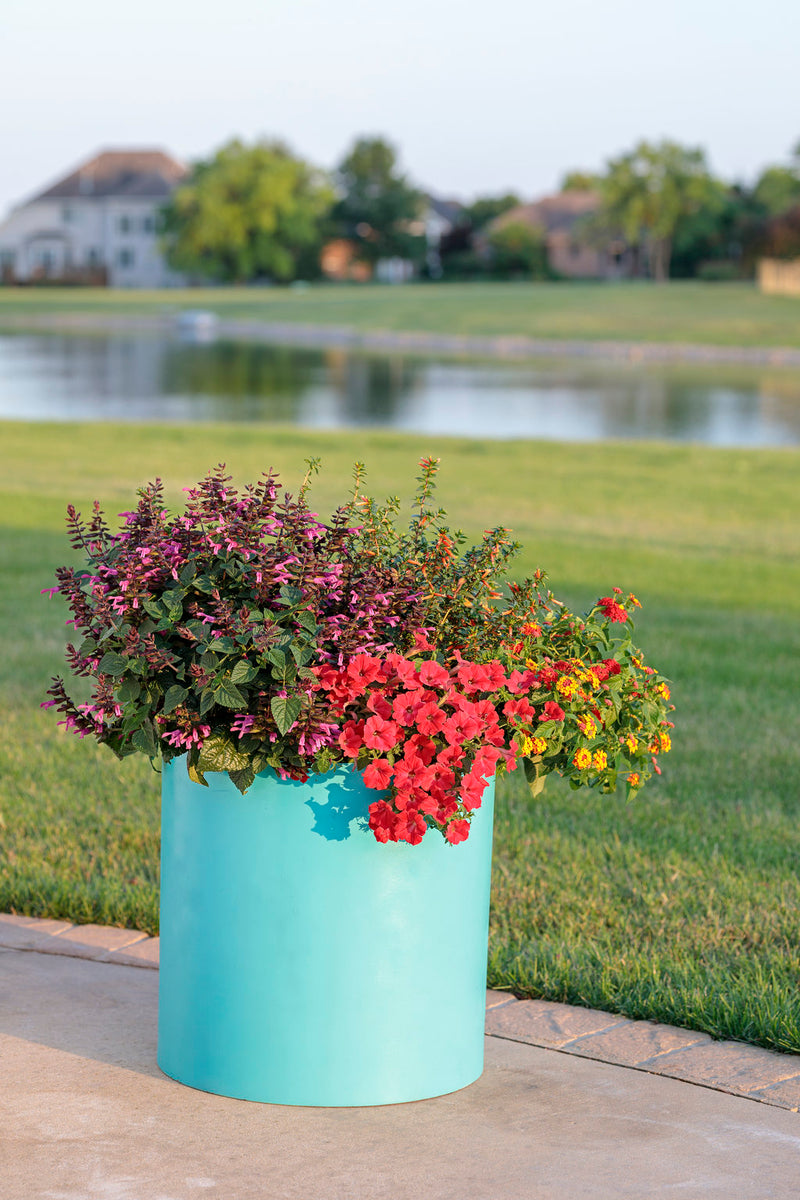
[430, 718]
[362, 670]
[378, 774]
[380, 734]
[552, 712]
[410, 827]
[351, 739]
[518, 710]
[461, 727]
[405, 707]
[433, 674]
[457, 831]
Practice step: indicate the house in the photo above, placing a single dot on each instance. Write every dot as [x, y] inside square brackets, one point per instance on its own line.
[563, 219]
[98, 224]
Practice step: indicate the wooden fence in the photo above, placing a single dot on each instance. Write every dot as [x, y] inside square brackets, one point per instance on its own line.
[779, 276]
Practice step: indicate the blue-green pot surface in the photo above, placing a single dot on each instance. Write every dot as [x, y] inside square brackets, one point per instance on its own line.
[302, 962]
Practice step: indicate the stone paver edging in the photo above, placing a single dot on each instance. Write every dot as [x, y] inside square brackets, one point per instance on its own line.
[732, 1067]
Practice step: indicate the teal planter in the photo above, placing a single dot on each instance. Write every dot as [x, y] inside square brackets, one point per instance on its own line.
[302, 962]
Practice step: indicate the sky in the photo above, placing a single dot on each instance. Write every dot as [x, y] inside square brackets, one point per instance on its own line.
[476, 98]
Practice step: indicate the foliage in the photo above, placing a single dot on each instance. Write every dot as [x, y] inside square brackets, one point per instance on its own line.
[248, 213]
[778, 189]
[580, 181]
[646, 192]
[484, 209]
[249, 635]
[377, 207]
[781, 237]
[519, 249]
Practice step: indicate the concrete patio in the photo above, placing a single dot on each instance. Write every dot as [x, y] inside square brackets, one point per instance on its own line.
[572, 1104]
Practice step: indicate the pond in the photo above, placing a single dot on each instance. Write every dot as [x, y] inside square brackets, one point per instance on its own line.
[150, 377]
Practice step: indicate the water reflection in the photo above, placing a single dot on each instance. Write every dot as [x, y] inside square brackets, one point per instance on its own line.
[139, 377]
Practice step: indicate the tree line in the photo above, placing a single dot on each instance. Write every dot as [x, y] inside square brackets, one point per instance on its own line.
[257, 213]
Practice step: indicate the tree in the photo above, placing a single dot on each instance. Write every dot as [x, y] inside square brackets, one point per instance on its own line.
[778, 188]
[250, 212]
[580, 181]
[377, 207]
[519, 249]
[484, 209]
[646, 193]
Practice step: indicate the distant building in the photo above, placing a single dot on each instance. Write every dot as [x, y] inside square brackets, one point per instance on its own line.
[98, 225]
[440, 218]
[562, 219]
[338, 262]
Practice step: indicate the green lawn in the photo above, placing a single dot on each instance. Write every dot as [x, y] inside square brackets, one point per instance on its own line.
[683, 906]
[720, 314]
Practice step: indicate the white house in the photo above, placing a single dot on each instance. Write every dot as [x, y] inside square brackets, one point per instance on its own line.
[99, 224]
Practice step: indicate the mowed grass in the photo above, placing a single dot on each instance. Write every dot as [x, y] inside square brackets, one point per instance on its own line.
[683, 906]
[735, 314]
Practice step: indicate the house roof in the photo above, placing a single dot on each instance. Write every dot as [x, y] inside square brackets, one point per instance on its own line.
[450, 210]
[147, 173]
[552, 213]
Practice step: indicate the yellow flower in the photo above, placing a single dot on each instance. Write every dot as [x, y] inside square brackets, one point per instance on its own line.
[663, 691]
[582, 759]
[587, 726]
[632, 742]
[566, 687]
[539, 745]
[636, 603]
[600, 760]
[666, 742]
[634, 779]
[531, 664]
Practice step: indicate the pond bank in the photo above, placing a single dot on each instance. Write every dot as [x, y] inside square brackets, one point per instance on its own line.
[507, 348]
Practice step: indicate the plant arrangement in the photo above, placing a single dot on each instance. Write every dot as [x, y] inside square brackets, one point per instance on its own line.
[249, 635]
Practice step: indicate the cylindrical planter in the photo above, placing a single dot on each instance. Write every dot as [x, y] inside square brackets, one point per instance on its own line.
[302, 962]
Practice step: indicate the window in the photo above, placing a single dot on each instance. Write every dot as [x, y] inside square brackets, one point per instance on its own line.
[124, 224]
[93, 256]
[68, 215]
[148, 225]
[125, 257]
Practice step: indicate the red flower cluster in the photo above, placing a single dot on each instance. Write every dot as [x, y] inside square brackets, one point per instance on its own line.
[430, 736]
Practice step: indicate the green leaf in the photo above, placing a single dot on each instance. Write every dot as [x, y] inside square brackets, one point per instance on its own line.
[207, 701]
[219, 753]
[285, 710]
[290, 596]
[228, 694]
[204, 583]
[243, 672]
[129, 690]
[277, 657]
[534, 775]
[306, 618]
[175, 696]
[243, 779]
[285, 675]
[196, 775]
[144, 739]
[153, 609]
[113, 664]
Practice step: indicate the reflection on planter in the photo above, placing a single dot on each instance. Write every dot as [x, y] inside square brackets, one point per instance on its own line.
[141, 377]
